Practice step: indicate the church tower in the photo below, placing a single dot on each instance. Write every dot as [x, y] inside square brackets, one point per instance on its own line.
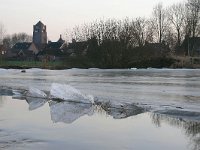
[39, 34]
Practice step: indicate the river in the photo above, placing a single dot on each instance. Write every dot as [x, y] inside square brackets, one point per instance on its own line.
[160, 110]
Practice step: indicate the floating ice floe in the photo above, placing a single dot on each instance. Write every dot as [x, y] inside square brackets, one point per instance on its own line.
[120, 110]
[68, 104]
[36, 93]
[133, 68]
[68, 93]
[74, 104]
[35, 98]
[61, 92]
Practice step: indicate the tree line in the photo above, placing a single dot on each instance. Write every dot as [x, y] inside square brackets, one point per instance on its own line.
[118, 43]
[10, 40]
[170, 24]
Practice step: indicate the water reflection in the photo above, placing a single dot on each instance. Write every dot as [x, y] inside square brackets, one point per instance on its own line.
[68, 112]
[6, 92]
[191, 128]
[35, 103]
[120, 111]
[8, 141]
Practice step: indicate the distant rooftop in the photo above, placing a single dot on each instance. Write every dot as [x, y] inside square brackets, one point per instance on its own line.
[61, 40]
[22, 46]
[39, 24]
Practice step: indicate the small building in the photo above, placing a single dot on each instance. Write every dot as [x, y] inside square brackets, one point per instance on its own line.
[190, 46]
[24, 50]
[40, 35]
[53, 50]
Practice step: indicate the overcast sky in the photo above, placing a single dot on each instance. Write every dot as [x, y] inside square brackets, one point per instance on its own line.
[20, 15]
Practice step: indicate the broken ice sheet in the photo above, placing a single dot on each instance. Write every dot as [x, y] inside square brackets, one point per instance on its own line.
[35, 98]
[120, 110]
[68, 93]
[33, 92]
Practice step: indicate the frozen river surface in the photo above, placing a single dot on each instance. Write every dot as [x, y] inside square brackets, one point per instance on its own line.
[148, 109]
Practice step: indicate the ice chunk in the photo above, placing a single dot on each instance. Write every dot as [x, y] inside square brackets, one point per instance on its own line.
[124, 111]
[120, 110]
[133, 68]
[33, 92]
[68, 112]
[68, 93]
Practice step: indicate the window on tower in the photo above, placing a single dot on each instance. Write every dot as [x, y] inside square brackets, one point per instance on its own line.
[37, 29]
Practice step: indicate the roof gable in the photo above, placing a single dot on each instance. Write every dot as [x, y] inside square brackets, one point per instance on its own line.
[60, 40]
[39, 24]
[78, 45]
[54, 45]
[22, 46]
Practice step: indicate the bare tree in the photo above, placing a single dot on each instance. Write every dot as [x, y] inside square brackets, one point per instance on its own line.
[139, 31]
[176, 16]
[77, 33]
[124, 32]
[20, 37]
[160, 21]
[2, 33]
[193, 16]
[170, 39]
[150, 29]
[9, 41]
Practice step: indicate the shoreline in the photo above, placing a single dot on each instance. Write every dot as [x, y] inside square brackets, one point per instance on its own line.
[173, 62]
[64, 68]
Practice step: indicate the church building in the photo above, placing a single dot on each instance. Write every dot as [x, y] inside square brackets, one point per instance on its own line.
[40, 35]
[38, 46]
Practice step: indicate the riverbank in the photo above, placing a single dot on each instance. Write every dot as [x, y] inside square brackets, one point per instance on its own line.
[31, 64]
[174, 62]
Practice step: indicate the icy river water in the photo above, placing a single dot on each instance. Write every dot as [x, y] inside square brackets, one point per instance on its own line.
[136, 109]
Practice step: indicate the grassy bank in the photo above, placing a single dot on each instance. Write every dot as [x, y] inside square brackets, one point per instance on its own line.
[172, 62]
[31, 64]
